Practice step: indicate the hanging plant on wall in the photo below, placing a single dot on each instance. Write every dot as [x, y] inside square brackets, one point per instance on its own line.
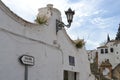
[79, 43]
[41, 20]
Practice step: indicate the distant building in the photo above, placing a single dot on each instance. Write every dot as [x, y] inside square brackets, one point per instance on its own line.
[92, 55]
[108, 54]
[110, 51]
[34, 51]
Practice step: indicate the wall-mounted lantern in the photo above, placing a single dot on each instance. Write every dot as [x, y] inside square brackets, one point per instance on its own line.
[69, 15]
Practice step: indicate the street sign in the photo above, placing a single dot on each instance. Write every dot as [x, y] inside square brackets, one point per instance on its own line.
[27, 60]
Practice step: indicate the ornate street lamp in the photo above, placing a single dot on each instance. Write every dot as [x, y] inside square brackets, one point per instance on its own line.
[60, 25]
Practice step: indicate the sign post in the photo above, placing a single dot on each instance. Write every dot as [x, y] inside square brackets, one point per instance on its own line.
[26, 72]
[27, 61]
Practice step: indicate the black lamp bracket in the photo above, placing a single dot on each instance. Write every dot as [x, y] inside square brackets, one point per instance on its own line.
[60, 25]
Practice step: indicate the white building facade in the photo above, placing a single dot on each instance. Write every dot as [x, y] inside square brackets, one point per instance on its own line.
[50, 56]
[110, 51]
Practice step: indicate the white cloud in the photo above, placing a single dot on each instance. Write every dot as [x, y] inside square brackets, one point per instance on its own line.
[91, 44]
[103, 22]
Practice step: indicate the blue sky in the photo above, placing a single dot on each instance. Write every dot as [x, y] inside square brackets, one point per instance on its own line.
[93, 19]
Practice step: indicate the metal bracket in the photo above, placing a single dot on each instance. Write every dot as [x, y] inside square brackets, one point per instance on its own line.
[59, 25]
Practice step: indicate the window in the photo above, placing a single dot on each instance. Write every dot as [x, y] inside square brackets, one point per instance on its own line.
[102, 51]
[111, 50]
[71, 61]
[106, 50]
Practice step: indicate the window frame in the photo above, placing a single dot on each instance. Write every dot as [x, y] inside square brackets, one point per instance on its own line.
[111, 50]
[102, 51]
[106, 50]
[71, 60]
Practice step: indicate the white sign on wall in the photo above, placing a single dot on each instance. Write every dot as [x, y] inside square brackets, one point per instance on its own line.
[27, 60]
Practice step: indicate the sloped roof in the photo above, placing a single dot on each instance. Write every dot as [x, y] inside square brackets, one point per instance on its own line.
[117, 42]
[111, 41]
[102, 47]
[114, 41]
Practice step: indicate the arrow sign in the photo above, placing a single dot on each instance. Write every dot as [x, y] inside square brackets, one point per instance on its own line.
[27, 60]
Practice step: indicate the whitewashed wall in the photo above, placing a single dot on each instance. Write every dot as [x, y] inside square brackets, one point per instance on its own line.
[114, 57]
[51, 51]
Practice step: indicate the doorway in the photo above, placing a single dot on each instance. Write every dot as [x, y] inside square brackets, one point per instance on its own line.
[69, 75]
